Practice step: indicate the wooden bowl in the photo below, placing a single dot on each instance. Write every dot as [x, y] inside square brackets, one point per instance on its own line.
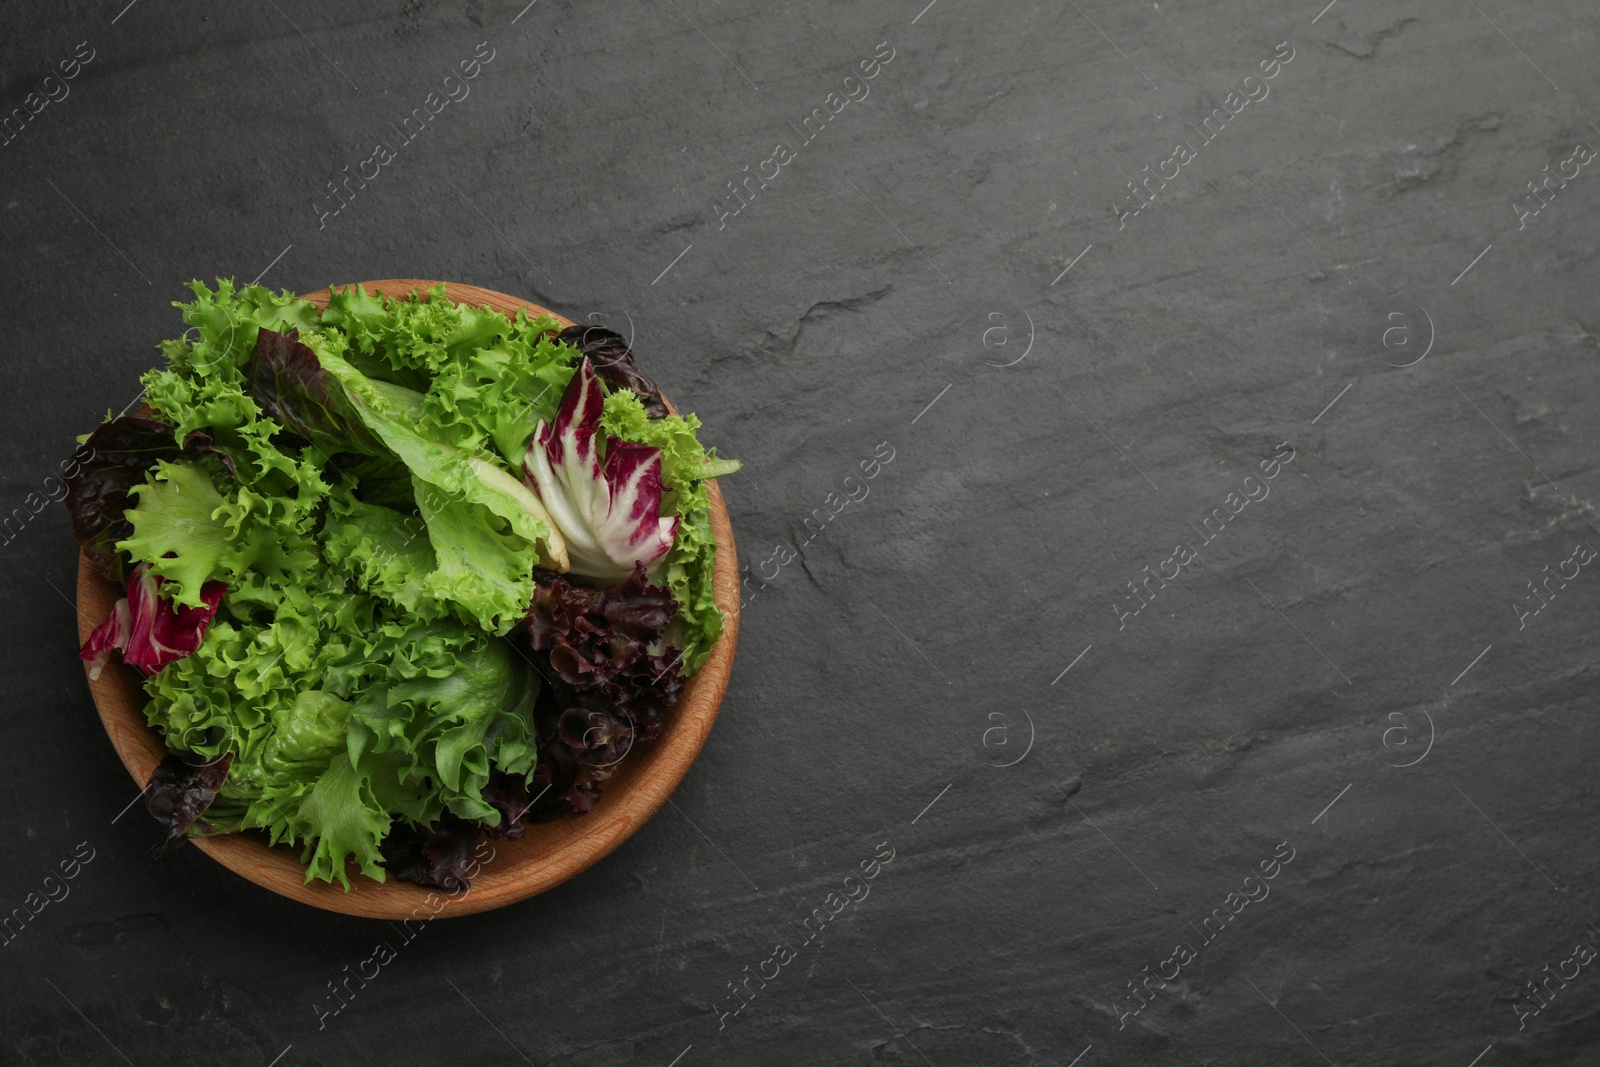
[548, 853]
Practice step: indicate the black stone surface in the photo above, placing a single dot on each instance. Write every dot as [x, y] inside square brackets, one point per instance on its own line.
[1342, 669]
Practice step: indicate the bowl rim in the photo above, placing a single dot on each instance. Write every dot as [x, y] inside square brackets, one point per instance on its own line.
[549, 853]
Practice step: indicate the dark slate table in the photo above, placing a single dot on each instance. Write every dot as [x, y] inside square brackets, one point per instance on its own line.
[1183, 656]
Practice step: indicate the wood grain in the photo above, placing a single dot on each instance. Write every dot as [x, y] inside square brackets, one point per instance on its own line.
[549, 853]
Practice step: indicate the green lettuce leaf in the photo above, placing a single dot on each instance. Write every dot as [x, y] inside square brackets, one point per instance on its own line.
[449, 726]
[223, 325]
[391, 413]
[190, 533]
[342, 712]
[384, 552]
[482, 565]
[341, 819]
[688, 572]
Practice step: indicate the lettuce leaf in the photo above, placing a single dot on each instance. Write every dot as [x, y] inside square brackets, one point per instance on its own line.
[383, 552]
[222, 329]
[450, 726]
[112, 460]
[687, 572]
[342, 713]
[179, 529]
[613, 678]
[436, 856]
[178, 793]
[189, 533]
[341, 819]
[481, 565]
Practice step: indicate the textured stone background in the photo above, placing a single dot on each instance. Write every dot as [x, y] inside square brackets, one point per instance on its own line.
[1313, 649]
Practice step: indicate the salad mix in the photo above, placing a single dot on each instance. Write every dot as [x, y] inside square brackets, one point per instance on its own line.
[396, 572]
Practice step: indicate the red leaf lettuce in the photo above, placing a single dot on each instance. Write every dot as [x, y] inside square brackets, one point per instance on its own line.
[613, 679]
[180, 792]
[614, 363]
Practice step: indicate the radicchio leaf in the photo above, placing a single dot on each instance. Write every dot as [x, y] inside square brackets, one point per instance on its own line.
[116, 457]
[436, 856]
[609, 516]
[288, 382]
[148, 629]
[613, 678]
[179, 793]
[614, 363]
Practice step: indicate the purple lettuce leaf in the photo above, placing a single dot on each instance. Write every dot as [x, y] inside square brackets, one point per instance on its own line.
[563, 785]
[436, 856]
[288, 382]
[614, 363]
[612, 679]
[508, 793]
[180, 792]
